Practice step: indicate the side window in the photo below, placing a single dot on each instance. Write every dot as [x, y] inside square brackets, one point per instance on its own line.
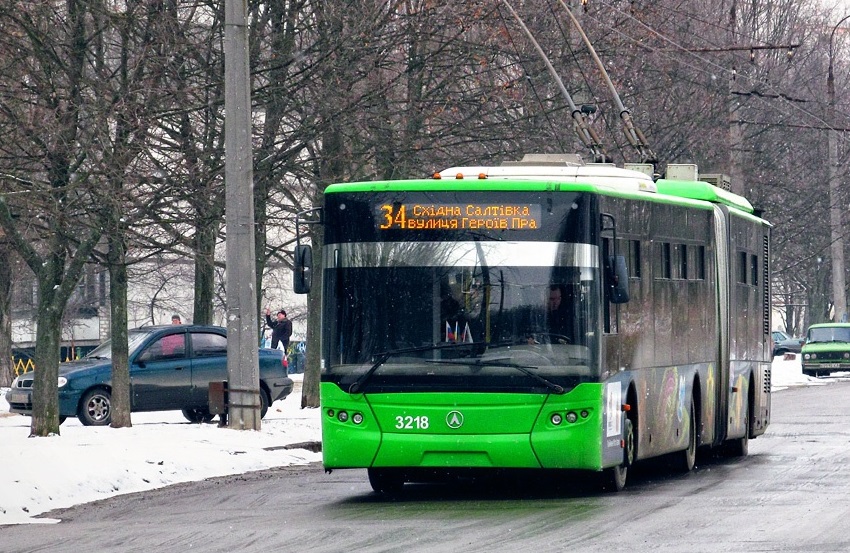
[742, 267]
[754, 270]
[634, 258]
[208, 344]
[172, 346]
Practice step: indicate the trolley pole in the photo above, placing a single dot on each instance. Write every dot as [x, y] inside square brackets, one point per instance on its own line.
[836, 229]
[243, 371]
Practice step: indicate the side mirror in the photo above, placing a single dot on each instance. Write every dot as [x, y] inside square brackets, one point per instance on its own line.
[618, 279]
[302, 269]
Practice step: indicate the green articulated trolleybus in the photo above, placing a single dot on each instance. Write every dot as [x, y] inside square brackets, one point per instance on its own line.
[544, 315]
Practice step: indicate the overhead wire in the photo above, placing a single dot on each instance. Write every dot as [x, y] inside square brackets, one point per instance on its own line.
[720, 68]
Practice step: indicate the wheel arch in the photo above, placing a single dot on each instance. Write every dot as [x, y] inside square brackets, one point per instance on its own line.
[633, 414]
[696, 393]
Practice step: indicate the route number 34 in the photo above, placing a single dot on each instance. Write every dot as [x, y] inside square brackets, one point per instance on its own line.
[411, 423]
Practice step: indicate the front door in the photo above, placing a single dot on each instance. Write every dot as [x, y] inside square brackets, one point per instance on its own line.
[161, 374]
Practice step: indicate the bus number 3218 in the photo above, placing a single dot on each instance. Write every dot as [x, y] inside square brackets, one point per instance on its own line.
[409, 423]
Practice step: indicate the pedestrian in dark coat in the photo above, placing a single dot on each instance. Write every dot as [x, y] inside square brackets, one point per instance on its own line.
[281, 328]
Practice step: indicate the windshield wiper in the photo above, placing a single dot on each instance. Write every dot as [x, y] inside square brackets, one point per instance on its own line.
[382, 357]
[525, 369]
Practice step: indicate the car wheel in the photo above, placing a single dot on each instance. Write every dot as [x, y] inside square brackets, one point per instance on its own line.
[265, 402]
[95, 408]
[198, 414]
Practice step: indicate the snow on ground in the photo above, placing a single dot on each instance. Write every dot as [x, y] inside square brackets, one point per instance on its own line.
[85, 464]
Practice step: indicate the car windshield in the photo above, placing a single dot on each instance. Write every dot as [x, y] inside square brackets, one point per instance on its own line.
[134, 340]
[829, 334]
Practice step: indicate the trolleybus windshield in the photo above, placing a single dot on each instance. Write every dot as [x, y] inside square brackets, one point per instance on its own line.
[462, 309]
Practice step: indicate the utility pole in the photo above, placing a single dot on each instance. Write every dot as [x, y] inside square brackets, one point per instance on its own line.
[243, 372]
[736, 132]
[837, 241]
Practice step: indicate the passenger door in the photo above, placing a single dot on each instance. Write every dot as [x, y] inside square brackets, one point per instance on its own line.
[161, 374]
[209, 364]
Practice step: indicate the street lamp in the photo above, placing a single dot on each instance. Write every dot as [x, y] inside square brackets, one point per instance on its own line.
[836, 242]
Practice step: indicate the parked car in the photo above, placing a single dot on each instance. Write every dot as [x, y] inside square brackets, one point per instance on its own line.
[827, 349]
[171, 367]
[782, 343]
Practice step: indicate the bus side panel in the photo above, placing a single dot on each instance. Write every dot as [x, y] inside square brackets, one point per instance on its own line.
[666, 335]
[749, 371]
[663, 408]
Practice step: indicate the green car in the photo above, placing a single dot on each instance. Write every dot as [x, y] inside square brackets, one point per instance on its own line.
[827, 349]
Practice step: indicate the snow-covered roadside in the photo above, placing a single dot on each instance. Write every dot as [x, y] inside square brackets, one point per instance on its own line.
[85, 464]
[89, 463]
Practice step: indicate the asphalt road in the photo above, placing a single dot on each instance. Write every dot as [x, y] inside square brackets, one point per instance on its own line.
[792, 493]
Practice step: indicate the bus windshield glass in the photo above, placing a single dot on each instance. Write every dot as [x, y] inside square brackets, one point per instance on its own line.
[490, 310]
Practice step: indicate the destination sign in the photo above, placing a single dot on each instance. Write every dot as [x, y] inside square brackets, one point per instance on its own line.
[424, 216]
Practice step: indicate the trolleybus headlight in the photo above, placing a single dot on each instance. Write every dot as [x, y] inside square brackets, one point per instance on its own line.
[357, 418]
[584, 414]
[331, 413]
[557, 419]
[342, 416]
[572, 417]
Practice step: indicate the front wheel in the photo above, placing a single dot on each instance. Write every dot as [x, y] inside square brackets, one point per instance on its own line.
[614, 478]
[95, 408]
[386, 481]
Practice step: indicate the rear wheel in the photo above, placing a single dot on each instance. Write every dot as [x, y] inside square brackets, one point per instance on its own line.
[198, 414]
[686, 459]
[265, 402]
[740, 447]
[386, 481]
[95, 408]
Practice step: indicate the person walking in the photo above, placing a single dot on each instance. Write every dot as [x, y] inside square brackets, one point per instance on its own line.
[281, 328]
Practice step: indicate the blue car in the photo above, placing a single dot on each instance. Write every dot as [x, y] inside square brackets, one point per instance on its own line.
[171, 368]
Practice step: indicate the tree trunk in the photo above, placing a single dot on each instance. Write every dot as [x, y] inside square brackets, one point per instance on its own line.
[204, 273]
[117, 259]
[7, 365]
[45, 404]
